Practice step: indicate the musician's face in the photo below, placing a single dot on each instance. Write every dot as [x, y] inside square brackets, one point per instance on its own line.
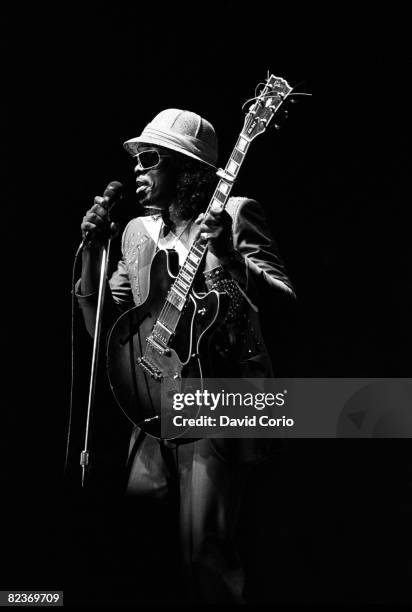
[156, 186]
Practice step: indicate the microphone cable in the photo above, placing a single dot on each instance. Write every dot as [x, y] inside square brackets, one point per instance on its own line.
[69, 424]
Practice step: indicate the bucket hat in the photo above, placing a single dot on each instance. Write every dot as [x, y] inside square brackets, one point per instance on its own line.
[181, 131]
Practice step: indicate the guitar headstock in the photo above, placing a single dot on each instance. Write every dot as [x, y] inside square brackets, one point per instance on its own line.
[265, 106]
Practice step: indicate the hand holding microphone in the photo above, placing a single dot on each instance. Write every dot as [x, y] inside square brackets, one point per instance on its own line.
[96, 226]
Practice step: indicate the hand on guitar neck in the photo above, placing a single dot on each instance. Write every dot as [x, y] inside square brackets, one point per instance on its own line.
[215, 229]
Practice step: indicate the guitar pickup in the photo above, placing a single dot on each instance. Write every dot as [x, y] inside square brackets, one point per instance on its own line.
[162, 350]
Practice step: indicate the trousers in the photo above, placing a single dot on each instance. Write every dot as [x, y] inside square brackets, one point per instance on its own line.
[208, 491]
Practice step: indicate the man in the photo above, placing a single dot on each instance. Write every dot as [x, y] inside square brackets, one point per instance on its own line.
[176, 157]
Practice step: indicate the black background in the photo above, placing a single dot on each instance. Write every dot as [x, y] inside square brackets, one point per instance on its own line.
[332, 523]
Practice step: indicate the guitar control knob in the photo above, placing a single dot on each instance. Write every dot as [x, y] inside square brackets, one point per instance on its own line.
[202, 312]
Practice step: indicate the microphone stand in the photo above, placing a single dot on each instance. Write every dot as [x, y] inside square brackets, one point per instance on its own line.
[85, 455]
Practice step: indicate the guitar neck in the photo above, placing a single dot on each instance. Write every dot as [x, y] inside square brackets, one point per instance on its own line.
[229, 174]
[257, 119]
[188, 271]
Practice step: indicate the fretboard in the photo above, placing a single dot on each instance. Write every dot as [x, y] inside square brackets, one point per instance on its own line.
[181, 287]
[260, 114]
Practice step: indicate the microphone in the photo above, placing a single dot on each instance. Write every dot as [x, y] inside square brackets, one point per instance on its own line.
[112, 194]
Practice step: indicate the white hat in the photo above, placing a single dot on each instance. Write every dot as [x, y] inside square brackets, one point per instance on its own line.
[181, 131]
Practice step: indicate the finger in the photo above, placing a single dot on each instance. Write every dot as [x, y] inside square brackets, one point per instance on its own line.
[88, 227]
[99, 200]
[200, 218]
[215, 209]
[210, 227]
[213, 217]
[209, 224]
[226, 219]
[100, 210]
[209, 235]
[221, 216]
[95, 218]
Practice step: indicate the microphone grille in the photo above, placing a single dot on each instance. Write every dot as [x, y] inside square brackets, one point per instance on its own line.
[113, 187]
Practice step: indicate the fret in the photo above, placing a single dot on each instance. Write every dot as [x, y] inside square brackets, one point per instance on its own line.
[237, 156]
[242, 144]
[181, 279]
[220, 196]
[181, 285]
[218, 203]
[188, 269]
[197, 252]
[200, 253]
[224, 187]
[232, 167]
[186, 276]
[193, 257]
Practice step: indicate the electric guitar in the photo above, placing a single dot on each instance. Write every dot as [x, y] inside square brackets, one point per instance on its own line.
[166, 338]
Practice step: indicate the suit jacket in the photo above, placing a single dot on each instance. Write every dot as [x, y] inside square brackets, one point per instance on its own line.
[259, 272]
[239, 347]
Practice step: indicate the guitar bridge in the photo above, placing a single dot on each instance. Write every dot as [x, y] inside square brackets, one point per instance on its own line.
[149, 367]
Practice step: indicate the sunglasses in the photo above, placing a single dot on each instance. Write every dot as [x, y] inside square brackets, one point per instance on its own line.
[149, 159]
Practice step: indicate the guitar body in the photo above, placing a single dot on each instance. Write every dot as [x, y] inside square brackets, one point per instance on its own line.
[136, 368]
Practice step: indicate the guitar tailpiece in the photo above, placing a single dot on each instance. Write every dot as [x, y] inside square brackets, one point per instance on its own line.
[148, 367]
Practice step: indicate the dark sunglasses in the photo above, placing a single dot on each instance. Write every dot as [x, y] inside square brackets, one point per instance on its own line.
[149, 159]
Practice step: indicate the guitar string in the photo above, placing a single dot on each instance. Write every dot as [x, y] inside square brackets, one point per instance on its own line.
[166, 310]
[177, 238]
[167, 307]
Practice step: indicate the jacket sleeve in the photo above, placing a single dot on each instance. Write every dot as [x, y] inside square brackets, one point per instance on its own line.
[253, 240]
[118, 297]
